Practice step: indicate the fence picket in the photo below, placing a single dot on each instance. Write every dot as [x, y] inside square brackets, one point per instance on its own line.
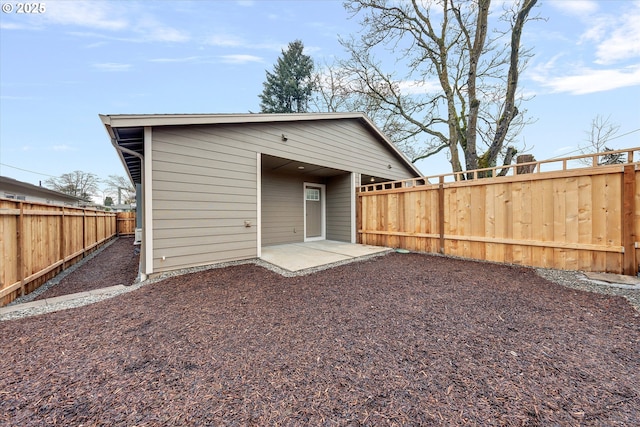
[39, 240]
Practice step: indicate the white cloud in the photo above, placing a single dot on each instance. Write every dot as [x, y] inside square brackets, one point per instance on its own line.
[124, 21]
[177, 60]
[224, 40]
[415, 87]
[165, 34]
[12, 26]
[94, 14]
[589, 80]
[623, 41]
[229, 40]
[112, 66]
[152, 30]
[62, 147]
[612, 40]
[616, 37]
[95, 45]
[575, 7]
[240, 59]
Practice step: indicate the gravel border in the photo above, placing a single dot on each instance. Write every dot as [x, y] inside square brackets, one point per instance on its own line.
[571, 279]
[577, 280]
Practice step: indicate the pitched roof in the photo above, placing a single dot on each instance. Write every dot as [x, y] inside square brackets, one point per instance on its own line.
[15, 186]
[127, 130]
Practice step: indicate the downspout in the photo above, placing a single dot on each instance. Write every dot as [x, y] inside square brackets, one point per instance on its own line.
[143, 275]
[126, 150]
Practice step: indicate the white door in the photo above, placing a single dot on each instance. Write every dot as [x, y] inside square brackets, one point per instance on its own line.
[314, 212]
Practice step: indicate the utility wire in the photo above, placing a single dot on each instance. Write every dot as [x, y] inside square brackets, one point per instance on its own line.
[624, 134]
[582, 149]
[26, 170]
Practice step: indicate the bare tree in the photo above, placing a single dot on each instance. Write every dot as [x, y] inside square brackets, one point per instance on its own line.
[455, 83]
[119, 188]
[77, 183]
[601, 131]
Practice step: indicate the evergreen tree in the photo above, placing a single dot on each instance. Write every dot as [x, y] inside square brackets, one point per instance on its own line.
[611, 158]
[288, 89]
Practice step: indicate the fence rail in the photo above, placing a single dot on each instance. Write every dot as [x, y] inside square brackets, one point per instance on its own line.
[581, 218]
[39, 240]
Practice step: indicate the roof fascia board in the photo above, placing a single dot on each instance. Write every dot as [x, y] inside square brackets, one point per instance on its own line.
[135, 120]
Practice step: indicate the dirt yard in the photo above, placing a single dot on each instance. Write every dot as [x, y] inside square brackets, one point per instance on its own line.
[402, 339]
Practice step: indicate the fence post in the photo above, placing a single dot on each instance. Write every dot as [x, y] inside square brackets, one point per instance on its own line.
[359, 214]
[629, 266]
[84, 233]
[62, 241]
[96, 228]
[441, 212]
[20, 243]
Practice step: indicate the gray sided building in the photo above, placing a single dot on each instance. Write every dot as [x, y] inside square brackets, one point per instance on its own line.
[219, 187]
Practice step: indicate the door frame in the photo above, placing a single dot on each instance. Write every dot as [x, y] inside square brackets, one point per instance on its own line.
[323, 210]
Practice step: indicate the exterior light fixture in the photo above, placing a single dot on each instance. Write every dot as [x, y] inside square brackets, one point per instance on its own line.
[284, 138]
[372, 179]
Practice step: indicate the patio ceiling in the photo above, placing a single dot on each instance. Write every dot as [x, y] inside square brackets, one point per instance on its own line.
[288, 166]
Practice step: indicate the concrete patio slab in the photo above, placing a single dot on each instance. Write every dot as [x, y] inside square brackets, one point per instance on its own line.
[301, 256]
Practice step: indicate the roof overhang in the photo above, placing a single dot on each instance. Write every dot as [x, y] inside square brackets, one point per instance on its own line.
[33, 190]
[127, 131]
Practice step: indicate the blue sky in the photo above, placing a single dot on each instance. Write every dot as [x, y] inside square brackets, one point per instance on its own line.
[61, 68]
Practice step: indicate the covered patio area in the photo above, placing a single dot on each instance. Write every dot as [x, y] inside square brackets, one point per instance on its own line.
[296, 257]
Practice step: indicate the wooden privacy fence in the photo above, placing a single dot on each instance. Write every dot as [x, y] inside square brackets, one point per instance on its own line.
[126, 223]
[581, 218]
[37, 241]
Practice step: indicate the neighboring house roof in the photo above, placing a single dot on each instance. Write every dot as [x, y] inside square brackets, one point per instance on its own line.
[11, 185]
[127, 130]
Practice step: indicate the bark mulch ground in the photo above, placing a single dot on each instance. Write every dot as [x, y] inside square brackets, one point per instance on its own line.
[403, 339]
[115, 265]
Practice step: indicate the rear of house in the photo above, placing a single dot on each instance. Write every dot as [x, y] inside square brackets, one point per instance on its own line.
[217, 188]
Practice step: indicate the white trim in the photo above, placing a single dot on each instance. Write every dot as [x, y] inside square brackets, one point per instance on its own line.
[354, 185]
[259, 202]
[147, 219]
[133, 120]
[323, 210]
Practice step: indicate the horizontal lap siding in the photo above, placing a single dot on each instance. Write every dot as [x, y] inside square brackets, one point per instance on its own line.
[205, 183]
[339, 144]
[203, 192]
[339, 208]
[282, 209]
